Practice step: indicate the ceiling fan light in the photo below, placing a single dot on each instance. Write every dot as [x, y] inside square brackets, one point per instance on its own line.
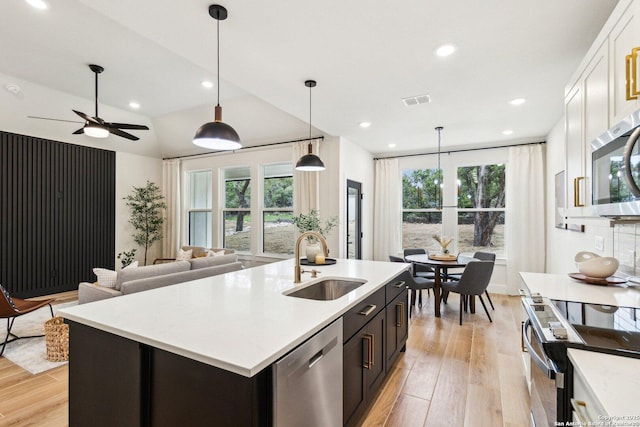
[310, 163]
[95, 131]
[217, 136]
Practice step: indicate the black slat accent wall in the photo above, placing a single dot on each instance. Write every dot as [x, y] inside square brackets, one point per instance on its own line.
[57, 214]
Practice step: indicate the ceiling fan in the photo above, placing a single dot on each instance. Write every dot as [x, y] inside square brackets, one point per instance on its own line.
[96, 126]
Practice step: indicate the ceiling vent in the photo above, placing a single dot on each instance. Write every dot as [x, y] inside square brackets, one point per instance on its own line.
[415, 100]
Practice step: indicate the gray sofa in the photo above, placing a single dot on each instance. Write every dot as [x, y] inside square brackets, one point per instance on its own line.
[156, 276]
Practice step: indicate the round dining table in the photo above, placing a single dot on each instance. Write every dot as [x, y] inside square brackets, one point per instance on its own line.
[440, 268]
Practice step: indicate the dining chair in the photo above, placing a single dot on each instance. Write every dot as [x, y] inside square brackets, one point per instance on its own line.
[473, 281]
[419, 270]
[415, 283]
[10, 308]
[483, 256]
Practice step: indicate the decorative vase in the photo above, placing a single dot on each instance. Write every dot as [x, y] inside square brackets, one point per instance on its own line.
[313, 249]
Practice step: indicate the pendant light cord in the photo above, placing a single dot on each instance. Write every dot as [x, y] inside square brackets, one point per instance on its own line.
[96, 93]
[218, 54]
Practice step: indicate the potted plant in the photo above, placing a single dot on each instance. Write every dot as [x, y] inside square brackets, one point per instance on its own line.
[127, 257]
[312, 222]
[146, 204]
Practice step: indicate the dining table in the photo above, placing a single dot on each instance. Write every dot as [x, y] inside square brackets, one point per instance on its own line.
[440, 268]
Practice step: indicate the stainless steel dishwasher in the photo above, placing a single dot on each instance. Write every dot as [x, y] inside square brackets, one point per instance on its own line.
[308, 382]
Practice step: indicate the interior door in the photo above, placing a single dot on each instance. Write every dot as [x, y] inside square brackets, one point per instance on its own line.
[354, 220]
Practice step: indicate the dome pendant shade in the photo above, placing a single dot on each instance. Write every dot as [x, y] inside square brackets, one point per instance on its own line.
[310, 162]
[217, 135]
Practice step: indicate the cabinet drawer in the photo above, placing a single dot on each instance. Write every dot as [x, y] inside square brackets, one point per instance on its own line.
[366, 310]
[396, 286]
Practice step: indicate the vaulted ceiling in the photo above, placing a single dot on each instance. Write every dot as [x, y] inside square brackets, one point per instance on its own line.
[365, 55]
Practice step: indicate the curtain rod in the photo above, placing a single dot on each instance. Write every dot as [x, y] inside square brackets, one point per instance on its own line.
[462, 150]
[245, 148]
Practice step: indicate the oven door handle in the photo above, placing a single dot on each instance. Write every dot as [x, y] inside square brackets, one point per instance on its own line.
[547, 366]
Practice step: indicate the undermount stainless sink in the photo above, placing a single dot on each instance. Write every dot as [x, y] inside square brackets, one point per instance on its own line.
[327, 289]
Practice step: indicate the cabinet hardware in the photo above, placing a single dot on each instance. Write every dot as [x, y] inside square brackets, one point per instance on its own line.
[399, 285]
[367, 311]
[631, 74]
[400, 314]
[580, 409]
[576, 192]
[368, 364]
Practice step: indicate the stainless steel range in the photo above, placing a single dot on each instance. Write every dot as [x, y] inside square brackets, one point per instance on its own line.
[552, 327]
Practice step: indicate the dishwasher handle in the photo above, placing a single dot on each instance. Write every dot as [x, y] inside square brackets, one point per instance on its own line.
[316, 358]
[543, 363]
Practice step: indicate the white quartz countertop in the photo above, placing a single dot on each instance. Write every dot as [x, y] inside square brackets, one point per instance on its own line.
[239, 321]
[564, 288]
[613, 380]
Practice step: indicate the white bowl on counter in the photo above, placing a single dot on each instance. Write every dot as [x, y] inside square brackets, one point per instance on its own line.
[593, 265]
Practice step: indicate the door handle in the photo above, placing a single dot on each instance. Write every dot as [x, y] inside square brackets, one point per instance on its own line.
[368, 363]
[576, 192]
[370, 309]
[400, 315]
[631, 74]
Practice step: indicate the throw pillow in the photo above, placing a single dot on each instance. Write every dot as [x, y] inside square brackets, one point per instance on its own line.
[184, 255]
[8, 297]
[215, 253]
[106, 278]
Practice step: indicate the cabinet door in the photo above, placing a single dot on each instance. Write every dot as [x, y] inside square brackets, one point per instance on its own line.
[397, 327]
[575, 151]
[622, 39]
[596, 100]
[354, 397]
[376, 370]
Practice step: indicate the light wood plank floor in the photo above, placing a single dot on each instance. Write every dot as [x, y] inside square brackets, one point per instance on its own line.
[450, 375]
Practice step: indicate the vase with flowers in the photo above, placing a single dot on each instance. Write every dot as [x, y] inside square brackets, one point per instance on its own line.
[312, 222]
[444, 242]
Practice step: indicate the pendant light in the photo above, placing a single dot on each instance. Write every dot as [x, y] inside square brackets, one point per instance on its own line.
[217, 135]
[310, 162]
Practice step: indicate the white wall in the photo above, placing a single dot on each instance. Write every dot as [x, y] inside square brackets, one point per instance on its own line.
[133, 171]
[357, 165]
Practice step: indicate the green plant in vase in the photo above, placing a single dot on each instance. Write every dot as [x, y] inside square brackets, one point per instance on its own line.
[312, 222]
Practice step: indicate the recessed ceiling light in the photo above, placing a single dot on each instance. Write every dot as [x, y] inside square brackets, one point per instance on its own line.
[207, 84]
[517, 101]
[507, 132]
[13, 88]
[38, 4]
[445, 50]
[392, 145]
[134, 105]
[365, 124]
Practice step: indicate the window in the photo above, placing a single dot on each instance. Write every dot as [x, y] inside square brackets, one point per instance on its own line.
[237, 209]
[481, 208]
[278, 231]
[200, 205]
[421, 197]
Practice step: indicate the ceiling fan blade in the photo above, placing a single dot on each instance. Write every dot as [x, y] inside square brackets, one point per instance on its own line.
[126, 126]
[123, 134]
[86, 117]
[79, 131]
[56, 120]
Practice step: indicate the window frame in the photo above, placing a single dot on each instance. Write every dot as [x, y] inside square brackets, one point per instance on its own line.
[188, 186]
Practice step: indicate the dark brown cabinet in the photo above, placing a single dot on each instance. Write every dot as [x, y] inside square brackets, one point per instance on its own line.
[397, 327]
[381, 331]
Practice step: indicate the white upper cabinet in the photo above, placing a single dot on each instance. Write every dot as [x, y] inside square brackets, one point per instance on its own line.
[624, 36]
[596, 96]
[576, 151]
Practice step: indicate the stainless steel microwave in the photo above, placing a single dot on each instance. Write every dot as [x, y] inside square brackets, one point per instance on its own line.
[616, 170]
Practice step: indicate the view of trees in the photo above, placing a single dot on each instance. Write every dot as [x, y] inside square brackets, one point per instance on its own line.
[237, 195]
[482, 187]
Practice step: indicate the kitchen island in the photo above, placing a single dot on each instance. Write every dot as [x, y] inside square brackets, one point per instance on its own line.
[229, 329]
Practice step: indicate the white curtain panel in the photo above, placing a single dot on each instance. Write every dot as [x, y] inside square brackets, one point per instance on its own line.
[387, 212]
[306, 185]
[171, 189]
[525, 219]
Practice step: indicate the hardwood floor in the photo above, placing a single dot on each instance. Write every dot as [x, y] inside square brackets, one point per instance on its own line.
[450, 375]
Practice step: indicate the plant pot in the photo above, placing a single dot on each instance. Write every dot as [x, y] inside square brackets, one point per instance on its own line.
[313, 249]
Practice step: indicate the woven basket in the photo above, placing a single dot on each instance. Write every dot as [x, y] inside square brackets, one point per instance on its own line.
[56, 334]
